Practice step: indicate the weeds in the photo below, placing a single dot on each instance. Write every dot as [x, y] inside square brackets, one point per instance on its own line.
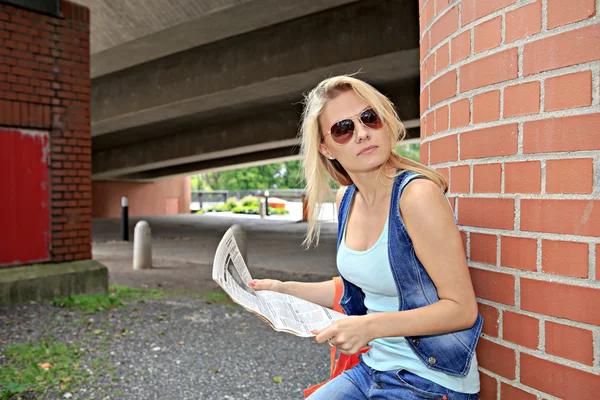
[117, 296]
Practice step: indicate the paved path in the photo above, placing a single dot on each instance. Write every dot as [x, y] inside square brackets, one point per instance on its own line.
[187, 244]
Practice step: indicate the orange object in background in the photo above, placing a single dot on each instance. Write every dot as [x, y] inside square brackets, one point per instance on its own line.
[276, 202]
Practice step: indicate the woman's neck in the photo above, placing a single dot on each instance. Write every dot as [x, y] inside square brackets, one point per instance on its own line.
[374, 186]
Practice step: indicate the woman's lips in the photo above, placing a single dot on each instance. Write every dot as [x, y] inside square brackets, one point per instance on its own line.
[367, 150]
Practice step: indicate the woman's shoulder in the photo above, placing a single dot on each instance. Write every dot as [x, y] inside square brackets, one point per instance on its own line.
[421, 192]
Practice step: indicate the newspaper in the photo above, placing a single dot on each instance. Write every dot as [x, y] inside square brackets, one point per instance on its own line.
[285, 313]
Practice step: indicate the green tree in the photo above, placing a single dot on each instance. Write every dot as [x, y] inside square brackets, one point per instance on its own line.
[410, 151]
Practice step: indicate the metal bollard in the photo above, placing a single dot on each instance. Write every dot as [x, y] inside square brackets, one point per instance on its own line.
[124, 218]
[267, 202]
[242, 240]
[262, 207]
[142, 246]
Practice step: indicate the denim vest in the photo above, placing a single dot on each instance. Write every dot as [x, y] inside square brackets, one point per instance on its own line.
[449, 352]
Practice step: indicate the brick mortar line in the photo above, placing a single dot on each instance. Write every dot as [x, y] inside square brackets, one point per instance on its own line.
[572, 112]
[538, 255]
[566, 155]
[501, 117]
[543, 176]
[498, 250]
[591, 65]
[542, 336]
[503, 29]
[520, 140]
[517, 292]
[517, 365]
[544, 16]
[471, 177]
[541, 77]
[542, 99]
[596, 344]
[423, 6]
[500, 322]
[502, 178]
[545, 356]
[501, 379]
[542, 317]
[596, 85]
[596, 175]
[555, 237]
[517, 222]
[528, 39]
[537, 276]
[468, 234]
[592, 261]
[524, 196]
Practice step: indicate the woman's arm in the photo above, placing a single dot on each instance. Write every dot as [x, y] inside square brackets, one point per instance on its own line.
[321, 293]
[430, 224]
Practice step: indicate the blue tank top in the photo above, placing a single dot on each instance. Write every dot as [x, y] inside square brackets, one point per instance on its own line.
[370, 270]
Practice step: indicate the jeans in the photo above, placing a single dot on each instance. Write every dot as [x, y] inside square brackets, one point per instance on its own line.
[363, 382]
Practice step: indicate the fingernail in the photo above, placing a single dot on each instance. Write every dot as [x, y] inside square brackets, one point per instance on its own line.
[252, 283]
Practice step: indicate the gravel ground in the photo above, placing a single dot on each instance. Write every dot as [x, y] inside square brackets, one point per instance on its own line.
[183, 347]
[176, 348]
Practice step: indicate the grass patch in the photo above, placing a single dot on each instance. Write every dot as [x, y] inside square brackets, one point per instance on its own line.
[40, 367]
[117, 296]
[218, 298]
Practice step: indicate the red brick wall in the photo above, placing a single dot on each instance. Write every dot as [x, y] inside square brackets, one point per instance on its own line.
[45, 84]
[510, 103]
[145, 199]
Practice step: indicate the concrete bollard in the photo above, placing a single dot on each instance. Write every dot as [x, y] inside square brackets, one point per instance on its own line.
[142, 246]
[241, 240]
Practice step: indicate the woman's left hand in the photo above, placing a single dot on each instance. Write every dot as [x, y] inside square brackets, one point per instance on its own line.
[348, 334]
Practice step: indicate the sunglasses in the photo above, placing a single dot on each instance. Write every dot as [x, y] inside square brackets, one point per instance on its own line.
[342, 131]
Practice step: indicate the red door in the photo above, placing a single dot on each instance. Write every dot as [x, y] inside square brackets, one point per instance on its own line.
[24, 197]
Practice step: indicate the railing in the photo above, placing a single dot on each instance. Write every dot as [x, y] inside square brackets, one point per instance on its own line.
[220, 196]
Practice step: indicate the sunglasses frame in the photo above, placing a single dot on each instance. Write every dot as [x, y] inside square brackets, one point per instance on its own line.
[353, 118]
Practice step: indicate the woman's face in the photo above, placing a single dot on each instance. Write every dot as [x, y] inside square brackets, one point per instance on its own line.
[368, 147]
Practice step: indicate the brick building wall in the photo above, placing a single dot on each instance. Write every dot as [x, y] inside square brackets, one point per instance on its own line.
[45, 87]
[510, 114]
[165, 196]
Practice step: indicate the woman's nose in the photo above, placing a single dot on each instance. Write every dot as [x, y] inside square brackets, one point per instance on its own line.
[362, 132]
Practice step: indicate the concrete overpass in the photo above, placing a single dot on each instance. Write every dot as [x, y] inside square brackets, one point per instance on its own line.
[215, 83]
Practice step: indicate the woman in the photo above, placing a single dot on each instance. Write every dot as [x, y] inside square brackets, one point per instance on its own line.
[407, 288]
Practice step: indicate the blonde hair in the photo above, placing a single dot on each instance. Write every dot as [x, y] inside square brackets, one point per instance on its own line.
[318, 171]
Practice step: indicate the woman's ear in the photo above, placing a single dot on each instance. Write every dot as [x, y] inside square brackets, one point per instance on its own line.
[325, 151]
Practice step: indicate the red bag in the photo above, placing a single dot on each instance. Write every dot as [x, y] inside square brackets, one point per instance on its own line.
[344, 361]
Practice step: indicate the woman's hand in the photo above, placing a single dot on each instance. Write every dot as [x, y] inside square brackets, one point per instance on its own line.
[267, 284]
[348, 334]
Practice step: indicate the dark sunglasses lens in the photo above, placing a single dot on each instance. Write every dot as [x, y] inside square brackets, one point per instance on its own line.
[342, 131]
[371, 119]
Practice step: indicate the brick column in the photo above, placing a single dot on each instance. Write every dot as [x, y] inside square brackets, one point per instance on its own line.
[45, 93]
[510, 113]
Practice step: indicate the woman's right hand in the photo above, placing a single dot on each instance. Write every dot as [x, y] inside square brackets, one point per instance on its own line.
[267, 284]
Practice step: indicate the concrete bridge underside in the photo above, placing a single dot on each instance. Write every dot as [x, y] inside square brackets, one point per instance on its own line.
[230, 93]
